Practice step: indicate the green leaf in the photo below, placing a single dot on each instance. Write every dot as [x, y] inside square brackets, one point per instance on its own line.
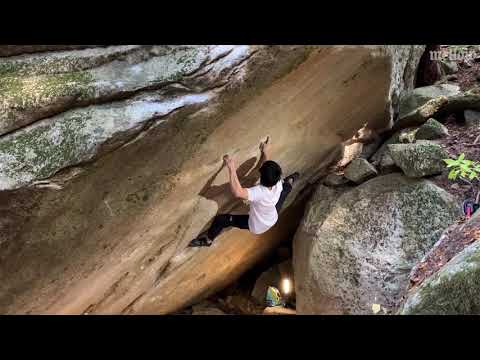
[461, 157]
[450, 161]
[472, 176]
[452, 175]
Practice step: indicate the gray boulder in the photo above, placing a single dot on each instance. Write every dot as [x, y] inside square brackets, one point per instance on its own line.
[449, 67]
[420, 96]
[206, 308]
[472, 118]
[335, 180]
[455, 288]
[431, 130]
[438, 107]
[356, 249]
[382, 159]
[419, 159]
[360, 170]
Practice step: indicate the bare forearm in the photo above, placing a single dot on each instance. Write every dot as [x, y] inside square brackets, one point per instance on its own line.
[235, 185]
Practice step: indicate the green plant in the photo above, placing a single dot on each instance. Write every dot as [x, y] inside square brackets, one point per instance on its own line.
[467, 171]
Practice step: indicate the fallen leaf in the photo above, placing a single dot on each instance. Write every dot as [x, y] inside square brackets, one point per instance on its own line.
[376, 308]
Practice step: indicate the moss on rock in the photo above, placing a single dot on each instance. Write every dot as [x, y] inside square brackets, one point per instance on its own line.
[419, 159]
[454, 290]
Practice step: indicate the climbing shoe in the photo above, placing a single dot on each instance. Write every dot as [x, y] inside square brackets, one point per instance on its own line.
[293, 177]
[200, 241]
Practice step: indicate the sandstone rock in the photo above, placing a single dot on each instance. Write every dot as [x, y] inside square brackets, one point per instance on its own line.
[472, 118]
[431, 130]
[360, 170]
[350, 152]
[111, 160]
[422, 158]
[356, 249]
[455, 288]
[278, 310]
[335, 180]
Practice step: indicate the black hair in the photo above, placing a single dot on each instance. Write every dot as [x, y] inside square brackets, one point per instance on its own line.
[270, 173]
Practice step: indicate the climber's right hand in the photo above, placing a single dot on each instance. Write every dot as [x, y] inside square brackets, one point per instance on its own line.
[265, 147]
[228, 161]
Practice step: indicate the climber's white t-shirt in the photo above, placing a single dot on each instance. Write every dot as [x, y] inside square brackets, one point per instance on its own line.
[263, 214]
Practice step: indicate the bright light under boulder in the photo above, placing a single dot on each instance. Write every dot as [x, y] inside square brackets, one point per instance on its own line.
[286, 286]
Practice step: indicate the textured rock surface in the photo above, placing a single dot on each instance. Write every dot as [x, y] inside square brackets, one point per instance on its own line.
[422, 158]
[272, 277]
[356, 249]
[110, 160]
[438, 107]
[455, 288]
[382, 159]
[420, 96]
[472, 118]
[360, 170]
[431, 130]
[335, 180]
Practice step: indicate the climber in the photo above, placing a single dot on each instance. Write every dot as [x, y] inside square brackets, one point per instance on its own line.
[266, 199]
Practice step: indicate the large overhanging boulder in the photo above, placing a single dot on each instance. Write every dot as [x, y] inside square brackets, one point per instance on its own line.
[356, 249]
[111, 161]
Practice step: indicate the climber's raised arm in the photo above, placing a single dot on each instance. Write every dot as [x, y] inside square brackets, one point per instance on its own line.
[265, 149]
[235, 186]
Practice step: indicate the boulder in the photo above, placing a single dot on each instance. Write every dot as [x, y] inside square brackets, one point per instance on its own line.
[439, 107]
[449, 67]
[382, 159]
[420, 96]
[272, 277]
[431, 130]
[422, 158]
[278, 310]
[455, 288]
[206, 308]
[369, 149]
[335, 180]
[472, 118]
[356, 248]
[111, 161]
[360, 170]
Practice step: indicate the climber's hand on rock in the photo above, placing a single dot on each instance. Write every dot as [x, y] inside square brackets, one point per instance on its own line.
[265, 147]
[228, 161]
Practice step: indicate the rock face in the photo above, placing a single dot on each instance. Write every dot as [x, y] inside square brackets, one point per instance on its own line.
[360, 170]
[335, 180]
[272, 277]
[419, 159]
[431, 130]
[382, 158]
[472, 118]
[454, 289]
[420, 96]
[356, 249]
[111, 160]
[435, 101]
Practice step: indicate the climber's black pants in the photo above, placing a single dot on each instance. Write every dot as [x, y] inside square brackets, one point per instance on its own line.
[241, 221]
